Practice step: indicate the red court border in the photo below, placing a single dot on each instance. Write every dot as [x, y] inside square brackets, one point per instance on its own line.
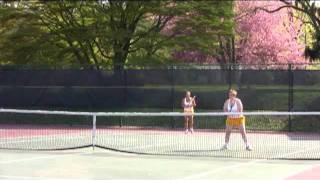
[309, 174]
[8, 131]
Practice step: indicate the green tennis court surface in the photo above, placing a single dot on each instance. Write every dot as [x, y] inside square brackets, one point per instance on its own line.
[86, 164]
[159, 141]
[59, 146]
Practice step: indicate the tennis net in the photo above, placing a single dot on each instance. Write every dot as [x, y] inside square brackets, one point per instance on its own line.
[272, 135]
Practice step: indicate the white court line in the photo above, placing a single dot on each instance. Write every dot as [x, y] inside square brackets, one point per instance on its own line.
[128, 148]
[204, 174]
[42, 157]
[37, 139]
[34, 178]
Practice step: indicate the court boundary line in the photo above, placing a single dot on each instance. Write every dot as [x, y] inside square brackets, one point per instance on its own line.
[35, 177]
[39, 138]
[206, 173]
[43, 157]
[128, 148]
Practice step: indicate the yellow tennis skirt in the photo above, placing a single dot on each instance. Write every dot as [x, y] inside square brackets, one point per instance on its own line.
[236, 121]
[188, 111]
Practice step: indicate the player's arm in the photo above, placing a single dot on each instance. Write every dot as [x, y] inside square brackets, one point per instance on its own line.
[194, 104]
[183, 102]
[240, 105]
[225, 106]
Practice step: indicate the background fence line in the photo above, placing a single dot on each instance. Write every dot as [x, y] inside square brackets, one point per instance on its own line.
[286, 88]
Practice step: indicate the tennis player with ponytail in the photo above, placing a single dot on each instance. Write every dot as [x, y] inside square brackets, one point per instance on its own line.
[188, 104]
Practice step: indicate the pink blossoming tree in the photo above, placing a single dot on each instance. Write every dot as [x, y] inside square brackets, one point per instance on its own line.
[261, 37]
[267, 38]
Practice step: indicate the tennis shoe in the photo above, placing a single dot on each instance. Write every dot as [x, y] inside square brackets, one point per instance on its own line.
[224, 147]
[248, 148]
[191, 130]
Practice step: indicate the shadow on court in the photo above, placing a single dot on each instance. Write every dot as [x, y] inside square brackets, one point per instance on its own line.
[87, 164]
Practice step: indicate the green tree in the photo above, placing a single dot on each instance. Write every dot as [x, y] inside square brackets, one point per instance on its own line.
[110, 33]
[22, 40]
[207, 27]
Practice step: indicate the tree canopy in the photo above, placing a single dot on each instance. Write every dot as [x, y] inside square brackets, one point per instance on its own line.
[268, 38]
[110, 33]
[118, 33]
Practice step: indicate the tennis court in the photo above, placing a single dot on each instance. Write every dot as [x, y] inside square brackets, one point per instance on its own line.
[164, 142]
[100, 165]
[97, 148]
[164, 90]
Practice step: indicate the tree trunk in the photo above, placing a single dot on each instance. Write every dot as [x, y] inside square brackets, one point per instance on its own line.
[121, 54]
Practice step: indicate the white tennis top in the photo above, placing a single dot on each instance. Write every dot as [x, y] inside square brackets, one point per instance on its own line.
[187, 104]
[234, 107]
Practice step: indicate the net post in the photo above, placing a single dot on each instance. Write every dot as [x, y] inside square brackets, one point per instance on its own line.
[120, 121]
[94, 128]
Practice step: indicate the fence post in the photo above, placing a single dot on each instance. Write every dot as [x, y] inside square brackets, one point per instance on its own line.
[125, 83]
[172, 95]
[290, 94]
[94, 127]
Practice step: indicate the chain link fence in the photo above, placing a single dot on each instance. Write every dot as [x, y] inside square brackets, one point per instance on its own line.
[282, 87]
